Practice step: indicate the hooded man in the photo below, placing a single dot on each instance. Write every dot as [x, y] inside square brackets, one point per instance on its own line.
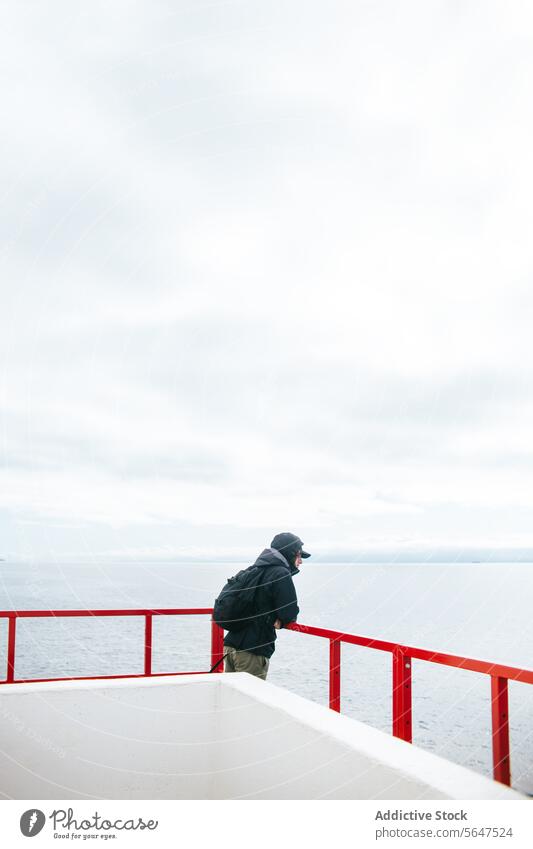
[250, 649]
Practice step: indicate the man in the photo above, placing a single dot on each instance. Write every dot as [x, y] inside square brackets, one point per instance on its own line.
[275, 601]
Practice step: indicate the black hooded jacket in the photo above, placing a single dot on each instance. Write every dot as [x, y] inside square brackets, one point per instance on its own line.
[275, 598]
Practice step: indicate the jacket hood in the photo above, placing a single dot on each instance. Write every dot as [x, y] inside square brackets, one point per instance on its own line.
[273, 557]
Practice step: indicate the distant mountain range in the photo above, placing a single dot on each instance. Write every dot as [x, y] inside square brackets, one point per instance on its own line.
[437, 555]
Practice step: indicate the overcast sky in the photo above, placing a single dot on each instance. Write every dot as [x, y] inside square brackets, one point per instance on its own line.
[265, 266]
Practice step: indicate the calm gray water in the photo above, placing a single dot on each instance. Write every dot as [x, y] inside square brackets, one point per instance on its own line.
[477, 610]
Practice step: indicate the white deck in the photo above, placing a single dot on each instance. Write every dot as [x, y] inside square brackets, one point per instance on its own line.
[207, 737]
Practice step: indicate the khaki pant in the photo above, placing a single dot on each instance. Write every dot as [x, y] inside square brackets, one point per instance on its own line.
[245, 661]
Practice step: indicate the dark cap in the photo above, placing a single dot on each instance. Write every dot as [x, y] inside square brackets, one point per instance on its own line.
[288, 543]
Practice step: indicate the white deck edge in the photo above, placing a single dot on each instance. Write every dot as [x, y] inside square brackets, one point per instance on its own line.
[446, 777]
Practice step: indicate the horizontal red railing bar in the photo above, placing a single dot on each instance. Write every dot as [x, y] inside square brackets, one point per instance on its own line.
[511, 672]
[485, 667]
[166, 611]
[102, 677]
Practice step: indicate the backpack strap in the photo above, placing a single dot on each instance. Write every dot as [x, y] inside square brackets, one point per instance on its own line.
[218, 663]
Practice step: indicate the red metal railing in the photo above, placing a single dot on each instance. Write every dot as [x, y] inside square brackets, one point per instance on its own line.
[217, 639]
[402, 712]
[402, 659]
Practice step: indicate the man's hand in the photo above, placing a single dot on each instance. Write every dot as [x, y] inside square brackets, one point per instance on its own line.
[278, 624]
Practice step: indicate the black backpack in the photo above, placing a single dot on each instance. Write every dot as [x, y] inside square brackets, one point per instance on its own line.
[234, 607]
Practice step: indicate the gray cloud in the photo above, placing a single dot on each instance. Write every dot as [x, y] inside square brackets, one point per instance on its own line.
[263, 261]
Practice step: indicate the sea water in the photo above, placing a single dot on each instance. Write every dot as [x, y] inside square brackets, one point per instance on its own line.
[480, 610]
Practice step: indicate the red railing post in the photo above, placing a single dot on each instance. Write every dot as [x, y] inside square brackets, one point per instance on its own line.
[148, 644]
[217, 646]
[11, 635]
[335, 675]
[402, 726]
[501, 758]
